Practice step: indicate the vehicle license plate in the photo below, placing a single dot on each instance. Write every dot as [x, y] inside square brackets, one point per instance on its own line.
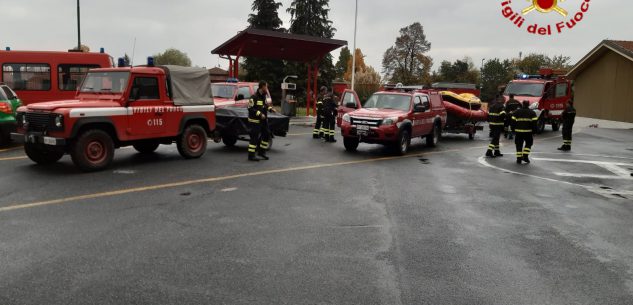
[49, 141]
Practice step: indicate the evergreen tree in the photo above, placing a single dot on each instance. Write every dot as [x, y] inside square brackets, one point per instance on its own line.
[310, 17]
[271, 71]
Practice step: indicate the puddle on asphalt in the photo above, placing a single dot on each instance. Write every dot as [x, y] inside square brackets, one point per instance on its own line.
[424, 161]
[185, 194]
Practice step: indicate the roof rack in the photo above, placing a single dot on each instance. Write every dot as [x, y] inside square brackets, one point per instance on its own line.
[402, 88]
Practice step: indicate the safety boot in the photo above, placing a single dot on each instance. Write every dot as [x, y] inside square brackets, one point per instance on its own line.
[252, 157]
[519, 160]
[498, 153]
[262, 154]
[526, 159]
[489, 154]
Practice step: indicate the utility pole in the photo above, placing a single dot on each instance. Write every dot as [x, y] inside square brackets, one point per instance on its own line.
[78, 28]
[354, 50]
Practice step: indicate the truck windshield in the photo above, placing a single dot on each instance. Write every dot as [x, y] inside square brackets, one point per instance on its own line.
[524, 89]
[223, 91]
[105, 82]
[389, 101]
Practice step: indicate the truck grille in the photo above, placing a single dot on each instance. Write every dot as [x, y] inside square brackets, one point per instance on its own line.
[39, 121]
[366, 121]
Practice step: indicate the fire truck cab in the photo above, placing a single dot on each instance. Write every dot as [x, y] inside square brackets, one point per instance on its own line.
[547, 93]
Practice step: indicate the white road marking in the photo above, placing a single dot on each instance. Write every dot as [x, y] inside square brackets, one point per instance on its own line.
[608, 193]
[616, 168]
[228, 189]
[124, 171]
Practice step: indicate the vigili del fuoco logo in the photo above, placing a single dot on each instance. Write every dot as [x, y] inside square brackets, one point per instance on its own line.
[519, 16]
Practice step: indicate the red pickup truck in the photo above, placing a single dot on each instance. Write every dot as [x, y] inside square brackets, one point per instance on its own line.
[115, 107]
[392, 118]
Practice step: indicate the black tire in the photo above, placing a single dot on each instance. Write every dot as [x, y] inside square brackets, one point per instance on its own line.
[350, 143]
[229, 140]
[41, 155]
[540, 124]
[404, 141]
[192, 143]
[93, 150]
[5, 138]
[434, 136]
[146, 147]
[555, 126]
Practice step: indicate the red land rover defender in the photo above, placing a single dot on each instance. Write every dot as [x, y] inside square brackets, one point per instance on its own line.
[547, 93]
[115, 107]
[392, 118]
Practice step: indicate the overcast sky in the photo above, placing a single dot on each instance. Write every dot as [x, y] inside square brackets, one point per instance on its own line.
[455, 28]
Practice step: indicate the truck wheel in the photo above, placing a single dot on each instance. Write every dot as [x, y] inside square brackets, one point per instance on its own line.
[350, 143]
[540, 124]
[93, 150]
[555, 126]
[146, 147]
[434, 136]
[192, 143]
[229, 140]
[404, 141]
[42, 155]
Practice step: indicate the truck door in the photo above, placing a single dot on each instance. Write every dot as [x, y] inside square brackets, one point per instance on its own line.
[348, 103]
[145, 107]
[561, 96]
[422, 119]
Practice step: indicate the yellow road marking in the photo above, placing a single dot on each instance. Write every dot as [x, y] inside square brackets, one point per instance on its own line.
[13, 158]
[222, 178]
[10, 148]
[212, 179]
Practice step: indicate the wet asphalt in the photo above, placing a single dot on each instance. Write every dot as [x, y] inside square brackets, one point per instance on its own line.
[318, 225]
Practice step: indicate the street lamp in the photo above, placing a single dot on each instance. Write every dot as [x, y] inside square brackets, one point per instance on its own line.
[354, 51]
[78, 29]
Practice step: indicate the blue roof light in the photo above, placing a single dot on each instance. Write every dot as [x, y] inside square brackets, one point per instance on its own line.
[150, 61]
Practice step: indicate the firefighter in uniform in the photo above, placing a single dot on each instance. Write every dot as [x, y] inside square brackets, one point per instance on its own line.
[256, 119]
[569, 116]
[317, 133]
[330, 113]
[524, 126]
[496, 122]
[511, 106]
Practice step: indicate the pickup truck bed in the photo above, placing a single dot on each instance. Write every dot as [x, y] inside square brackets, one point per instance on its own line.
[232, 123]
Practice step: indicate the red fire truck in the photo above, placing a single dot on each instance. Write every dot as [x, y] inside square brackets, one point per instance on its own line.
[547, 93]
[40, 76]
[141, 107]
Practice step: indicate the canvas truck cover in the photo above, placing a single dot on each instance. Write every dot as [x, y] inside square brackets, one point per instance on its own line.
[189, 86]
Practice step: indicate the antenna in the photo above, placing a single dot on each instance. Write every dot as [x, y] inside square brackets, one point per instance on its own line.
[133, 50]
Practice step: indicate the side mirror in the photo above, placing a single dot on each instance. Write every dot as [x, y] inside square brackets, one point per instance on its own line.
[351, 105]
[240, 97]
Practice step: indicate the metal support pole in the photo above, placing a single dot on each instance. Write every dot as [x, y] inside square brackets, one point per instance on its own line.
[316, 76]
[78, 28]
[354, 51]
[308, 93]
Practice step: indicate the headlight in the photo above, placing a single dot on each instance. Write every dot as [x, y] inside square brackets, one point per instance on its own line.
[59, 121]
[390, 121]
[346, 118]
[534, 106]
